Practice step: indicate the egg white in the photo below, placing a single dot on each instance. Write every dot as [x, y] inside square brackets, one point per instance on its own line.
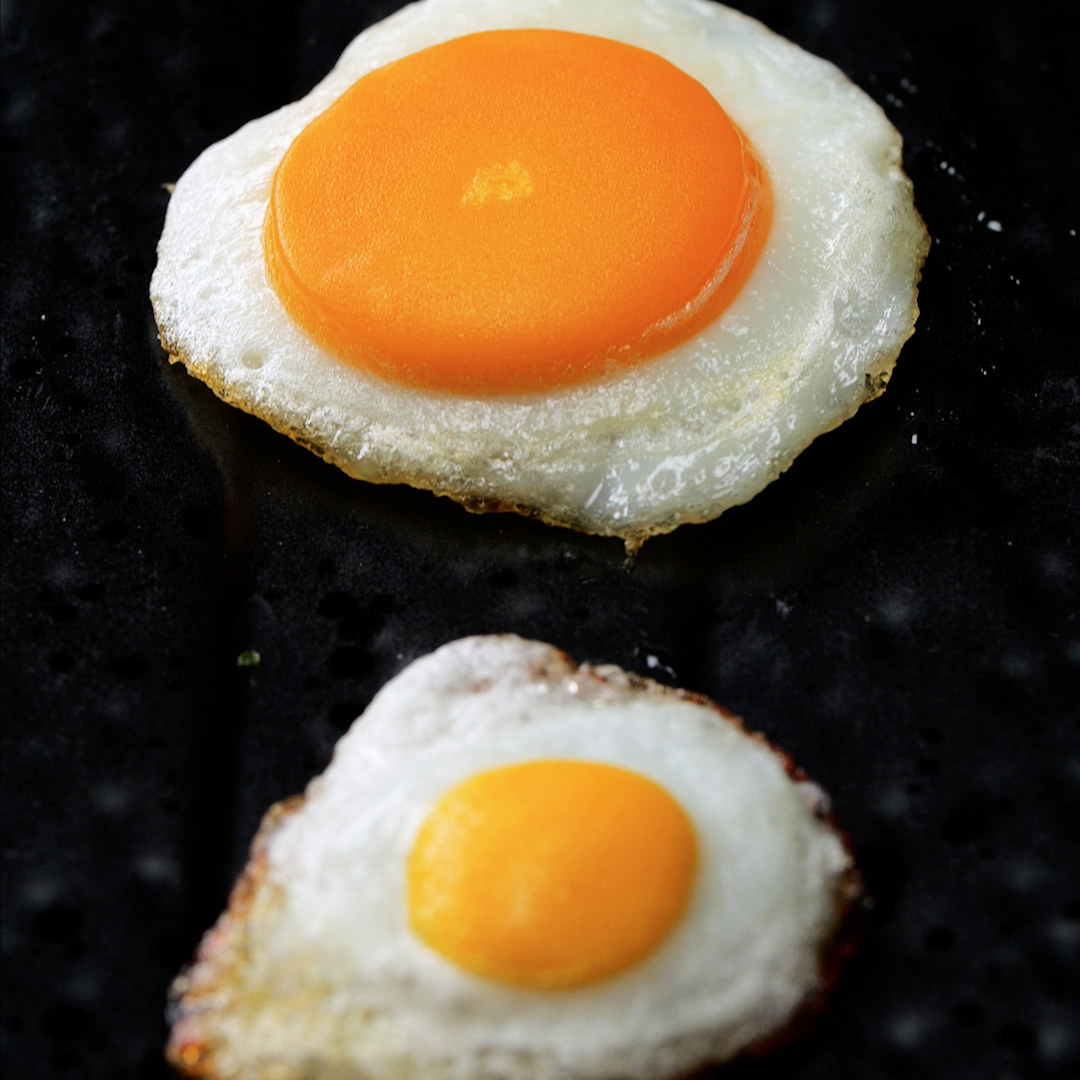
[813, 334]
[315, 971]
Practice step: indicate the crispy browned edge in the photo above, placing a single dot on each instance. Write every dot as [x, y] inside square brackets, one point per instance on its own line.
[633, 540]
[194, 1056]
[186, 1049]
[472, 503]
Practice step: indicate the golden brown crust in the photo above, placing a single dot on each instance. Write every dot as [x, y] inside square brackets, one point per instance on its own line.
[634, 539]
[472, 503]
[200, 986]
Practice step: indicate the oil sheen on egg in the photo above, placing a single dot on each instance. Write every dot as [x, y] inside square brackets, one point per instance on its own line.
[612, 265]
[523, 869]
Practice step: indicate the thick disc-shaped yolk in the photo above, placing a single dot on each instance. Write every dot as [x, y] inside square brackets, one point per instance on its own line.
[513, 211]
[551, 874]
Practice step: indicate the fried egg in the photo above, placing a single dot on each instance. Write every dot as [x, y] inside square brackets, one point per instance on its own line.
[612, 265]
[523, 869]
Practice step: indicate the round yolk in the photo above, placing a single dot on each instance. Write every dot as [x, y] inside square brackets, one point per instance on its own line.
[551, 874]
[514, 211]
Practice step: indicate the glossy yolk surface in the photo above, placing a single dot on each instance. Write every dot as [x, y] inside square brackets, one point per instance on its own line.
[551, 874]
[514, 211]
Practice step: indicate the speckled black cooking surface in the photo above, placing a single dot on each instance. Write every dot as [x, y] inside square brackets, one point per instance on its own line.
[899, 610]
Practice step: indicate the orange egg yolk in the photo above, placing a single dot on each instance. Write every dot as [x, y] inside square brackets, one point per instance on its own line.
[551, 874]
[514, 211]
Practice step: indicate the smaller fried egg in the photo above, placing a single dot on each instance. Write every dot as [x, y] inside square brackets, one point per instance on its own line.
[524, 869]
[612, 265]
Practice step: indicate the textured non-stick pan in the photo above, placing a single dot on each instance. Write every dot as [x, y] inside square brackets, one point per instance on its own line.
[899, 610]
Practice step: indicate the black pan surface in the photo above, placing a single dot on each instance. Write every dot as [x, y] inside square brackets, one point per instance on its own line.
[899, 610]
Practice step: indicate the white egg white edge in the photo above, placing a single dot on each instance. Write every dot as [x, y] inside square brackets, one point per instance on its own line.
[314, 972]
[676, 440]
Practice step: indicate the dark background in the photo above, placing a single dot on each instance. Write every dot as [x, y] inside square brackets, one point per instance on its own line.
[899, 610]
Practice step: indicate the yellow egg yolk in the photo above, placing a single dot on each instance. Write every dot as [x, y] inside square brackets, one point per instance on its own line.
[514, 211]
[551, 874]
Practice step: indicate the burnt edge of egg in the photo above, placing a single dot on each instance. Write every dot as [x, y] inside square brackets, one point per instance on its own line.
[206, 985]
[875, 383]
[208, 974]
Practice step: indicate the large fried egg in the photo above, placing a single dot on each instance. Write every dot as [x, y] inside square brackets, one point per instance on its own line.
[613, 265]
[522, 869]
